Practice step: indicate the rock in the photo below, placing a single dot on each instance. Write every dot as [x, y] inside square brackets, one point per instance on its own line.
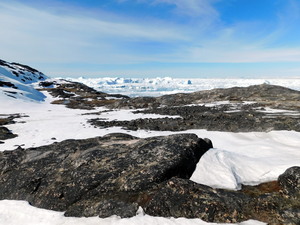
[5, 133]
[232, 115]
[290, 181]
[265, 202]
[217, 120]
[243, 109]
[103, 208]
[184, 198]
[77, 95]
[264, 93]
[99, 176]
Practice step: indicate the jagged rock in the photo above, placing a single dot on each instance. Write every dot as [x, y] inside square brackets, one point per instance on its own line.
[6, 134]
[90, 177]
[290, 181]
[183, 198]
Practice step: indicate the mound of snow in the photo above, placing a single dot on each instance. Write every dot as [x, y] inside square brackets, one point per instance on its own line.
[18, 81]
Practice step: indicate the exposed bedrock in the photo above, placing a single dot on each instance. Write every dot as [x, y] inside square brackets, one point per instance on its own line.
[259, 108]
[110, 175]
[275, 202]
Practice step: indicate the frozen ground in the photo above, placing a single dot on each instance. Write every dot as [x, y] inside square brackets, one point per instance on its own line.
[248, 158]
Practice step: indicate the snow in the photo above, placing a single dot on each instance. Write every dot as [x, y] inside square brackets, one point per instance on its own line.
[166, 85]
[275, 112]
[25, 87]
[237, 158]
[247, 158]
[21, 213]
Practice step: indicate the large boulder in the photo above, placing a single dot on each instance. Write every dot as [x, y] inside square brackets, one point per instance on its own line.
[5, 133]
[276, 202]
[184, 198]
[101, 176]
[290, 181]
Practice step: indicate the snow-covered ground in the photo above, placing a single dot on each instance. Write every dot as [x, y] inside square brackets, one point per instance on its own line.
[248, 158]
[166, 85]
[21, 213]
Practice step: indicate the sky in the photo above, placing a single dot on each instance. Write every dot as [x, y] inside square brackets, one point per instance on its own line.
[153, 38]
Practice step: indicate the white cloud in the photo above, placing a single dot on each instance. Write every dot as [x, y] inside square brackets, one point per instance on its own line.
[43, 36]
[240, 54]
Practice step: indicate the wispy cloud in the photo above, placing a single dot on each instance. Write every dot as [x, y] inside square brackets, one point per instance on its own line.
[194, 8]
[56, 37]
[39, 35]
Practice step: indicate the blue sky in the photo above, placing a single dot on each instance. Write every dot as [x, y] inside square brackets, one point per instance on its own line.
[150, 38]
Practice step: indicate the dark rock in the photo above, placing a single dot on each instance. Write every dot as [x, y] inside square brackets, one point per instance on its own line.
[233, 116]
[28, 68]
[7, 84]
[6, 133]
[290, 181]
[90, 177]
[241, 121]
[183, 198]
[103, 208]
[46, 83]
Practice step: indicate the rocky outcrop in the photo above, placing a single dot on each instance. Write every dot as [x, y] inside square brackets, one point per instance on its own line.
[260, 108]
[101, 176]
[264, 94]
[5, 133]
[277, 205]
[209, 118]
[77, 95]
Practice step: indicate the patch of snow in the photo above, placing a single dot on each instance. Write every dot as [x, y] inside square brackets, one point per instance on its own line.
[246, 158]
[269, 110]
[127, 115]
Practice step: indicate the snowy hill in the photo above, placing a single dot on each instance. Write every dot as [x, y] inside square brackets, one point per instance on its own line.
[18, 81]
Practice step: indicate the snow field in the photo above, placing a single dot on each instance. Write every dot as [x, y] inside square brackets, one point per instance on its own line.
[248, 158]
